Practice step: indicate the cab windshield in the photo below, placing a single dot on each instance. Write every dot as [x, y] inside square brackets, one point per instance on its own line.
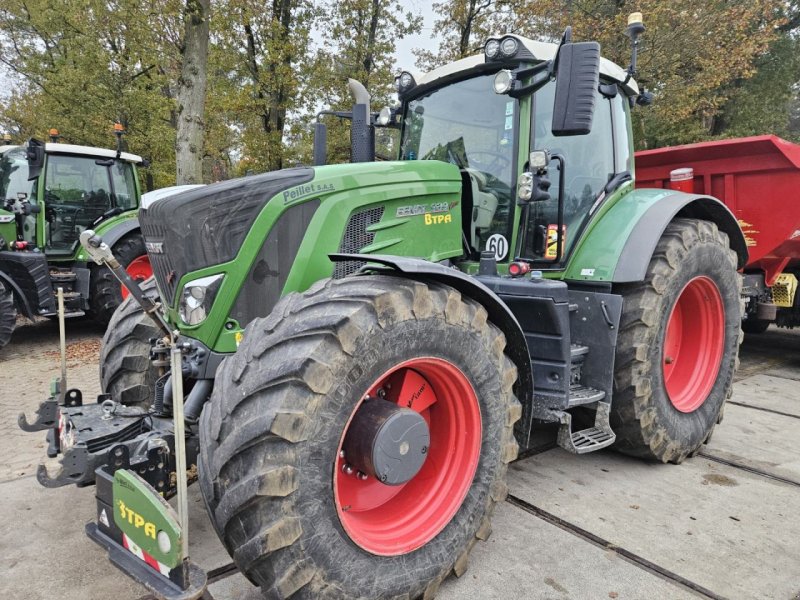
[467, 124]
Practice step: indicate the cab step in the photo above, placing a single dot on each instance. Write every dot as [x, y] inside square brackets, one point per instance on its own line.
[580, 395]
[587, 440]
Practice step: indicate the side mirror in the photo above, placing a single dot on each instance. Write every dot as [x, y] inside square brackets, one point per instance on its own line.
[35, 156]
[577, 79]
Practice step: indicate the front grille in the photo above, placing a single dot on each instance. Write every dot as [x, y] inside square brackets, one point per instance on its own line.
[355, 238]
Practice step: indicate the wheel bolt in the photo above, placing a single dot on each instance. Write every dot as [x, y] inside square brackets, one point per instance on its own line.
[347, 469]
[384, 477]
[362, 476]
[341, 453]
[424, 449]
[381, 393]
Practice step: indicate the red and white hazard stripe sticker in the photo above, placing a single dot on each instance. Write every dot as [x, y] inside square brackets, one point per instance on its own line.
[141, 554]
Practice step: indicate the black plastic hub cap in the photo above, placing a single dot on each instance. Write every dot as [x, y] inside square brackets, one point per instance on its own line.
[387, 441]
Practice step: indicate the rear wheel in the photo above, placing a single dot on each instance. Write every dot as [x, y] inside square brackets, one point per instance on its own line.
[126, 371]
[105, 289]
[357, 442]
[8, 314]
[678, 344]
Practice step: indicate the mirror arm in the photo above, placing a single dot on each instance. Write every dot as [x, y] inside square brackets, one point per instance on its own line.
[531, 88]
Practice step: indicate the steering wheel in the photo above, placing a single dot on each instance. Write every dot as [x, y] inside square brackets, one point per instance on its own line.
[488, 161]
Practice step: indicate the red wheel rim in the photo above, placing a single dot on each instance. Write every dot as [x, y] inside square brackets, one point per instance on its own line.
[693, 344]
[139, 270]
[393, 520]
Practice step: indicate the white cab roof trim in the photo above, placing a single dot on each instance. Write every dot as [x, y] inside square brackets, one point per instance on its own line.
[540, 51]
[51, 148]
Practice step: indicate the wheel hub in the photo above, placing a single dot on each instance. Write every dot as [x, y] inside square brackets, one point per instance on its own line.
[387, 442]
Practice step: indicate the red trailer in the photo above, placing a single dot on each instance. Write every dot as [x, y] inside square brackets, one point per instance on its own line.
[758, 178]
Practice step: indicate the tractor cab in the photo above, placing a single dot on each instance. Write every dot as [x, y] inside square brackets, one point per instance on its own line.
[80, 188]
[488, 113]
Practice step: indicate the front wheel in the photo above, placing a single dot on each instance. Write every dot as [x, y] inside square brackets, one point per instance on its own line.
[8, 314]
[678, 344]
[126, 370]
[106, 293]
[357, 442]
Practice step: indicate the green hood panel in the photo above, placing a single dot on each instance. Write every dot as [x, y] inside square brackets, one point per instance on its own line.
[407, 208]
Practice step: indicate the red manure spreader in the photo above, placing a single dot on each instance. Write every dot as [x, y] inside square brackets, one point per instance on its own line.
[758, 178]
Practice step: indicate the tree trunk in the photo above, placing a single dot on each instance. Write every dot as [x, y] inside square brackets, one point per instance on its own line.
[192, 92]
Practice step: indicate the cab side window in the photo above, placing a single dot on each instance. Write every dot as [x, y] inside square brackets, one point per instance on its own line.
[589, 163]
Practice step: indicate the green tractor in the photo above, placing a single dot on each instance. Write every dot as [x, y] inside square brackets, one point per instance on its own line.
[50, 193]
[366, 347]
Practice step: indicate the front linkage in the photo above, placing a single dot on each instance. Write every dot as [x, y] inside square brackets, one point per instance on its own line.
[132, 456]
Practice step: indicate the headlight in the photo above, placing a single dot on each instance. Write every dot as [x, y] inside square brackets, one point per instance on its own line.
[508, 47]
[404, 82]
[525, 186]
[198, 297]
[503, 82]
[491, 49]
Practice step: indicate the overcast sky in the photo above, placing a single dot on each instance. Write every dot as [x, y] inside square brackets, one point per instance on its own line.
[404, 57]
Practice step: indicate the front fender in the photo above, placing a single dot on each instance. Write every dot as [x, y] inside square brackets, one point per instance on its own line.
[620, 241]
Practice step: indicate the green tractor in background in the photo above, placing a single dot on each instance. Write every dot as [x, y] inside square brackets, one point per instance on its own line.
[50, 193]
[365, 347]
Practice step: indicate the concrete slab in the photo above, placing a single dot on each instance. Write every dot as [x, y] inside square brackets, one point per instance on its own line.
[776, 351]
[758, 439]
[729, 531]
[765, 390]
[235, 587]
[791, 372]
[526, 557]
[204, 546]
[44, 552]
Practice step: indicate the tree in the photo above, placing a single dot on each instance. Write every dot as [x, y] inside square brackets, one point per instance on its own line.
[192, 92]
[367, 57]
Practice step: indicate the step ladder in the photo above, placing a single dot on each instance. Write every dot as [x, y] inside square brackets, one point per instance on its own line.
[587, 440]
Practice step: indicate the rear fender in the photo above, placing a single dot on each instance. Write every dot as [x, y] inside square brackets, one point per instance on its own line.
[111, 235]
[618, 246]
[499, 315]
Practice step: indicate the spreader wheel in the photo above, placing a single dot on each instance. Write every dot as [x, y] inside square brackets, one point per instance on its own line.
[678, 344]
[8, 314]
[357, 442]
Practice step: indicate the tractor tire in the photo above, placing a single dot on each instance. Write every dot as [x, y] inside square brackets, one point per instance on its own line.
[753, 325]
[298, 519]
[126, 371]
[8, 315]
[104, 289]
[678, 344]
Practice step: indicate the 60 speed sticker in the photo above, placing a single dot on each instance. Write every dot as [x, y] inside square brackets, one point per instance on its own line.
[498, 244]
